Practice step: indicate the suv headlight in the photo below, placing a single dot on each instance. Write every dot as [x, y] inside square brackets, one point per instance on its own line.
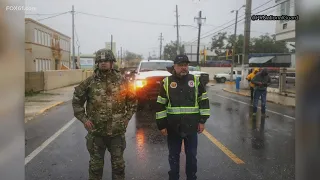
[140, 83]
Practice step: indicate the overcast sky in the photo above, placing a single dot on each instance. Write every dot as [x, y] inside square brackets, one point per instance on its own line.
[142, 38]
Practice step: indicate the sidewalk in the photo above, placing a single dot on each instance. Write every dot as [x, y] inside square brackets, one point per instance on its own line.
[39, 103]
[271, 97]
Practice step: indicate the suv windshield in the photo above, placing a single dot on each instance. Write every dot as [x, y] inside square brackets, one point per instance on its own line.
[153, 66]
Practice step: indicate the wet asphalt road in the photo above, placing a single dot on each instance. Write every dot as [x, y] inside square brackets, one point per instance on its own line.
[266, 146]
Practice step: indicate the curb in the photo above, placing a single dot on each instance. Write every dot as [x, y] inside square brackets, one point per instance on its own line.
[242, 94]
[44, 110]
[230, 82]
[49, 107]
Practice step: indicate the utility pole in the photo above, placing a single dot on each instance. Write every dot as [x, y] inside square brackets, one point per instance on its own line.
[111, 42]
[234, 46]
[73, 48]
[79, 52]
[121, 53]
[161, 38]
[177, 21]
[246, 33]
[199, 19]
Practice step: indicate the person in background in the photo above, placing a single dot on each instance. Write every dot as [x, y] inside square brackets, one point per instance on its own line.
[261, 81]
[249, 78]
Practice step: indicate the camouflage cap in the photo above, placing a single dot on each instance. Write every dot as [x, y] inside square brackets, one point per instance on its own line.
[104, 55]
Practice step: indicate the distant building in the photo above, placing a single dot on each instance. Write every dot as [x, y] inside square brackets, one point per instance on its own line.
[286, 30]
[45, 48]
[87, 61]
[191, 50]
[114, 48]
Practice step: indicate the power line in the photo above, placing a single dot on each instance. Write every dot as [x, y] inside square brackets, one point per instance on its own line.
[241, 20]
[261, 5]
[240, 17]
[39, 14]
[54, 16]
[126, 20]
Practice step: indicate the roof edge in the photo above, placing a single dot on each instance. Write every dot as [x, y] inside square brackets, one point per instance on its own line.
[36, 22]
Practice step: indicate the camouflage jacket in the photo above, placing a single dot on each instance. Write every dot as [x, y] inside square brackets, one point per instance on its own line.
[109, 103]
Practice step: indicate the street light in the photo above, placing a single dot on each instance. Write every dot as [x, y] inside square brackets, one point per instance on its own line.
[235, 41]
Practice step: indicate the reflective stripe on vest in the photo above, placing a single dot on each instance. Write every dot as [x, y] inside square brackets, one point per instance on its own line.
[162, 100]
[205, 112]
[166, 86]
[161, 114]
[182, 110]
[203, 96]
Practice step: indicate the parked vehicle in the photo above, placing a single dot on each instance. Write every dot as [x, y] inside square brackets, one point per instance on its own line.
[223, 77]
[203, 76]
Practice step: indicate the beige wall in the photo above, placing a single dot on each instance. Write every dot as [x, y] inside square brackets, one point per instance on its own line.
[48, 80]
[62, 78]
[35, 50]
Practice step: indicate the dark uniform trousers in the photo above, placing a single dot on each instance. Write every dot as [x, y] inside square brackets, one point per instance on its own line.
[97, 146]
[182, 104]
[190, 146]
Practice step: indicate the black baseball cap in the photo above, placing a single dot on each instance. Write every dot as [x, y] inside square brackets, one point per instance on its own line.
[181, 59]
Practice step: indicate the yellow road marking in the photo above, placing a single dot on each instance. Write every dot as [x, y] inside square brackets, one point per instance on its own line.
[47, 108]
[224, 149]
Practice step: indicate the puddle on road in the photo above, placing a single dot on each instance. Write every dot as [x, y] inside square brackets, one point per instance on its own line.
[217, 104]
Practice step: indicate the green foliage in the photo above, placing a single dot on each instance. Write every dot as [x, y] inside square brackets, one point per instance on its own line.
[132, 56]
[170, 50]
[263, 44]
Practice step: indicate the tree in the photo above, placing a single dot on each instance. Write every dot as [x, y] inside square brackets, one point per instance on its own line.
[263, 44]
[239, 43]
[218, 44]
[132, 56]
[268, 44]
[170, 50]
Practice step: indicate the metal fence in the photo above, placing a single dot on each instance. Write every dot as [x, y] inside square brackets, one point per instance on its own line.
[288, 82]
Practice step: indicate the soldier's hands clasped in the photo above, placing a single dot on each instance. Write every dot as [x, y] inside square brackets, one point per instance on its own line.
[88, 125]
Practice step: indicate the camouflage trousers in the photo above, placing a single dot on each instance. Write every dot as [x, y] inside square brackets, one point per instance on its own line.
[97, 146]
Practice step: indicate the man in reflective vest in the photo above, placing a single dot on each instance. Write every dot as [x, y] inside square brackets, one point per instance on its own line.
[181, 112]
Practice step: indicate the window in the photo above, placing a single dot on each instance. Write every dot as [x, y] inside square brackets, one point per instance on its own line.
[49, 40]
[35, 38]
[45, 39]
[284, 9]
[284, 26]
[39, 37]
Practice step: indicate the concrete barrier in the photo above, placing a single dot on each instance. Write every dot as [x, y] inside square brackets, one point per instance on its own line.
[54, 79]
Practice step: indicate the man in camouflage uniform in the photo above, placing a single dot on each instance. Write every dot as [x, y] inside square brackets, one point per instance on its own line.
[110, 105]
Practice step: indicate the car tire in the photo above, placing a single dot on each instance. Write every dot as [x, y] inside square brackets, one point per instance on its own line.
[223, 80]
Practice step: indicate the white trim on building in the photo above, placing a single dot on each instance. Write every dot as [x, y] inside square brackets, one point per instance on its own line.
[285, 30]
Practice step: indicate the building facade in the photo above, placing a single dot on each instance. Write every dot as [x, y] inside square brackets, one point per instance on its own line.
[286, 30]
[45, 48]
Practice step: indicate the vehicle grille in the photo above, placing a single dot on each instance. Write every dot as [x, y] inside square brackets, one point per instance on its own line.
[153, 83]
